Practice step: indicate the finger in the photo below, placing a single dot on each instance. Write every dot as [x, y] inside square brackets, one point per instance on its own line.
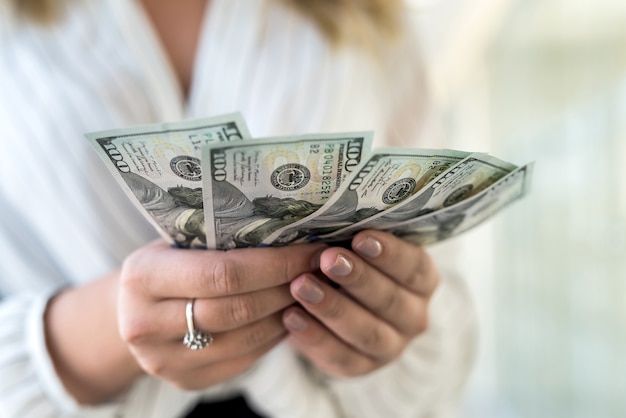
[173, 358]
[166, 320]
[384, 297]
[164, 272]
[203, 377]
[348, 320]
[231, 312]
[323, 348]
[409, 265]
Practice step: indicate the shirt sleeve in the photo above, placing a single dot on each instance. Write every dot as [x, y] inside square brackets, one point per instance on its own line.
[29, 386]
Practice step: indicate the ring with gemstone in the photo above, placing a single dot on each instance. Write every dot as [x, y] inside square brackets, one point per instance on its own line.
[195, 339]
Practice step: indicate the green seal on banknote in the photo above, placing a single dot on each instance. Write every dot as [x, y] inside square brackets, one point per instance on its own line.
[189, 168]
[290, 177]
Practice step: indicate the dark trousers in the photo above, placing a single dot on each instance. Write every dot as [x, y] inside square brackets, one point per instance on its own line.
[229, 408]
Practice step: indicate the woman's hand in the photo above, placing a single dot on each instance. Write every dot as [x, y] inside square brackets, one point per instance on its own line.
[381, 305]
[240, 296]
[102, 335]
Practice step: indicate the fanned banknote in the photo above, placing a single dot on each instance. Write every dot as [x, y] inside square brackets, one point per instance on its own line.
[277, 191]
[462, 181]
[159, 167]
[254, 188]
[460, 217]
[387, 177]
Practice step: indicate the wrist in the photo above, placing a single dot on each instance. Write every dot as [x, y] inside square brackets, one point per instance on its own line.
[83, 342]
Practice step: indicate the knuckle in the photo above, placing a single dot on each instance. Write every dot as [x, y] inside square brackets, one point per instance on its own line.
[426, 278]
[132, 273]
[242, 310]
[155, 367]
[413, 280]
[421, 324]
[359, 369]
[390, 300]
[372, 341]
[316, 337]
[423, 283]
[286, 270]
[224, 277]
[436, 279]
[134, 332]
[348, 365]
[334, 309]
[186, 386]
[342, 362]
[255, 337]
[357, 280]
[181, 385]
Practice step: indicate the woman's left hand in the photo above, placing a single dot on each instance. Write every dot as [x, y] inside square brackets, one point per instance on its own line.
[381, 305]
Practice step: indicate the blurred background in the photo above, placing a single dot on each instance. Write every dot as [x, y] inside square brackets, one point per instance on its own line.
[542, 81]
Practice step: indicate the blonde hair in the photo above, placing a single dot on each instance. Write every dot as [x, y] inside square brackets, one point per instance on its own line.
[365, 22]
[341, 21]
[40, 11]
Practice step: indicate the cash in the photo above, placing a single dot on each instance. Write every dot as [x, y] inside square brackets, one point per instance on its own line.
[253, 188]
[388, 177]
[207, 183]
[439, 225]
[461, 181]
[159, 167]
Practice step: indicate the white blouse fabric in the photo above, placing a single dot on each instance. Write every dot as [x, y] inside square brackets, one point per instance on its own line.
[64, 220]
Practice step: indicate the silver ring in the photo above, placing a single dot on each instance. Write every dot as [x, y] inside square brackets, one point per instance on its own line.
[195, 339]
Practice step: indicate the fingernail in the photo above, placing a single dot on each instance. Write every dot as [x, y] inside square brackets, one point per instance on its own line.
[296, 321]
[370, 247]
[309, 290]
[341, 267]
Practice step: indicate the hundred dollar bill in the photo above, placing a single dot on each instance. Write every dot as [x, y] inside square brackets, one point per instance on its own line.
[159, 168]
[254, 188]
[464, 215]
[460, 182]
[384, 179]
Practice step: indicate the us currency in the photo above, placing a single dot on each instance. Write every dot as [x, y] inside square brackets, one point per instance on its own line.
[460, 182]
[460, 217]
[159, 168]
[388, 176]
[254, 188]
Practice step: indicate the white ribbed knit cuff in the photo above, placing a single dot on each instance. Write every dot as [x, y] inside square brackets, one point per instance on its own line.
[44, 368]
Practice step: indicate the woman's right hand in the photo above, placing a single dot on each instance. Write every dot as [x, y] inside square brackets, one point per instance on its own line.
[239, 296]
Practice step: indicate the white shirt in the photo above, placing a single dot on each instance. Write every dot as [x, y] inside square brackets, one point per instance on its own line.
[64, 220]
